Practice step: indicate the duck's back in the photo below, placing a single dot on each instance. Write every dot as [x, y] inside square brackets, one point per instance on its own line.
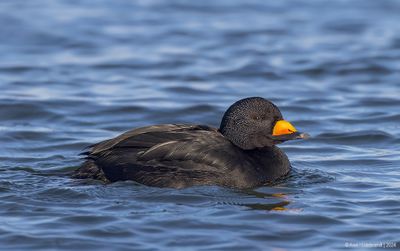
[179, 156]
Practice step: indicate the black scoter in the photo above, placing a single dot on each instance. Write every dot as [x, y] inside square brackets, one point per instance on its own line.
[242, 153]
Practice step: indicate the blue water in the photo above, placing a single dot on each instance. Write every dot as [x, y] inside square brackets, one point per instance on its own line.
[73, 73]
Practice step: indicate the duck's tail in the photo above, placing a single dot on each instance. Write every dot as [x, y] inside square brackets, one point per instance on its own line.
[89, 170]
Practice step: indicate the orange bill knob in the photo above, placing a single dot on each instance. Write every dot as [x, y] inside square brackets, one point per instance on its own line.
[283, 127]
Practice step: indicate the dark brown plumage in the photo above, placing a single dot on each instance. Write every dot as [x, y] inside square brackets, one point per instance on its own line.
[241, 154]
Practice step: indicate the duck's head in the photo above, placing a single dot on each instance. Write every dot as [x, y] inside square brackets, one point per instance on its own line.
[255, 123]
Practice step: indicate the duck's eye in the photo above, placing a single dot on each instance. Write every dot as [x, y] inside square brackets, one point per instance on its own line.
[257, 118]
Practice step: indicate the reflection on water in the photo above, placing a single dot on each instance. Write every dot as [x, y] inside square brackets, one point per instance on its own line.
[280, 206]
[274, 201]
[76, 72]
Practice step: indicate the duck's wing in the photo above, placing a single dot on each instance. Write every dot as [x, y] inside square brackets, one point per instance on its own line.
[167, 155]
[133, 137]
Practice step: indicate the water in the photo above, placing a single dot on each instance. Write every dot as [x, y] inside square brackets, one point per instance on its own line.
[73, 73]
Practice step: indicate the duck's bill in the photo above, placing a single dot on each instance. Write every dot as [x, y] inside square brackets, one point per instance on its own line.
[291, 136]
[284, 131]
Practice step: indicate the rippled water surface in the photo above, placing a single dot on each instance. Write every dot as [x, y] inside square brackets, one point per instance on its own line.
[76, 72]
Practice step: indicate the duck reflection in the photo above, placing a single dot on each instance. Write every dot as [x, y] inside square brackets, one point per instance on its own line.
[269, 201]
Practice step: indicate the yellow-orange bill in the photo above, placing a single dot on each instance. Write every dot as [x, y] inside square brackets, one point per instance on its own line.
[283, 127]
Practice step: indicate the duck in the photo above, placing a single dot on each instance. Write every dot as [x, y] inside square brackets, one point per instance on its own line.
[242, 153]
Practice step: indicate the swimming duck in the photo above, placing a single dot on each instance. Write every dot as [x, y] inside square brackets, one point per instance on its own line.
[242, 153]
